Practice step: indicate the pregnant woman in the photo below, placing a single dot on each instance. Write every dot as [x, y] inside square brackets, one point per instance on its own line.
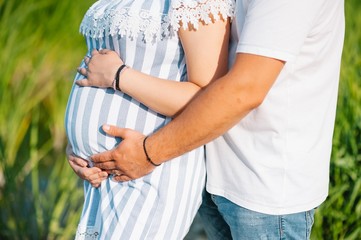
[155, 39]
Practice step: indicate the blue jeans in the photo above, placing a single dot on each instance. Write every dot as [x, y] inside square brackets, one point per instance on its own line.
[222, 219]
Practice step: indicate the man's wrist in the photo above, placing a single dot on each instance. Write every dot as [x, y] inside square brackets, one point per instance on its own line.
[147, 155]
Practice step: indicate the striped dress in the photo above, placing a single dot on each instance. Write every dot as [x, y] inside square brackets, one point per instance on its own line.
[161, 205]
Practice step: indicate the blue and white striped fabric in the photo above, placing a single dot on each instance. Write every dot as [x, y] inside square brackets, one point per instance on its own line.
[161, 205]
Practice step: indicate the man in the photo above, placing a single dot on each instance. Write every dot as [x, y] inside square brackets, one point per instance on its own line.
[275, 109]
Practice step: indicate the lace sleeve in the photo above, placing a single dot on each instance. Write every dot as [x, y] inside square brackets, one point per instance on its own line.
[185, 12]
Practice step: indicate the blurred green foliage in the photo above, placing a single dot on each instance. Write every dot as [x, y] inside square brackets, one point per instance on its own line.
[40, 196]
[340, 216]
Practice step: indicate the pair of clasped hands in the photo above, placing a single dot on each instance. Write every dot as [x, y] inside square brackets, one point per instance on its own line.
[125, 161]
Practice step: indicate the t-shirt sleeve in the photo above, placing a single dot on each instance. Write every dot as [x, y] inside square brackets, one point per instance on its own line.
[277, 28]
[186, 13]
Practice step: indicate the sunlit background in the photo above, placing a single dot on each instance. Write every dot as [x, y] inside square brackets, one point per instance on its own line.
[41, 197]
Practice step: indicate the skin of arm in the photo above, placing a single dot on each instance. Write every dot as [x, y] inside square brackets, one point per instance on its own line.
[217, 108]
[206, 52]
[206, 55]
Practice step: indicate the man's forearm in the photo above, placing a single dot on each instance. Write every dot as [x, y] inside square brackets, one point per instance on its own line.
[191, 128]
[216, 109]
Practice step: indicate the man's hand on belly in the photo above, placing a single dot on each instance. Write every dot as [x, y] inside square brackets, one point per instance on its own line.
[127, 161]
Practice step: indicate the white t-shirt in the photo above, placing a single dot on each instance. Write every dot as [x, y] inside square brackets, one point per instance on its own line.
[276, 159]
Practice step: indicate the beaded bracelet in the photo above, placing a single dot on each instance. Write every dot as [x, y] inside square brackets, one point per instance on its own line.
[147, 156]
[117, 75]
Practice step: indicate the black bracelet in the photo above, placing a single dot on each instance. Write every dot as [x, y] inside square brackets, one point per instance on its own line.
[117, 76]
[146, 154]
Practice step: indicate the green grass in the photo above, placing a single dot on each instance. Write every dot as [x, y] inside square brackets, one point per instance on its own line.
[40, 196]
[340, 216]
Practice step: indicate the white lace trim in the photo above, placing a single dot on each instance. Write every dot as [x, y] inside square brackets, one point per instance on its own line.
[192, 12]
[125, 22]
[88, 233]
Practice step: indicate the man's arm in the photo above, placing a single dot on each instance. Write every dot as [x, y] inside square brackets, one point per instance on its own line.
[216, 109]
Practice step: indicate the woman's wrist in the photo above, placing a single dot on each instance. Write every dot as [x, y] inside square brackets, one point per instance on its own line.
[117, 77]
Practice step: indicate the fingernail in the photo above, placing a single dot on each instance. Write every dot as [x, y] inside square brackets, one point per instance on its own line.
[106, 127]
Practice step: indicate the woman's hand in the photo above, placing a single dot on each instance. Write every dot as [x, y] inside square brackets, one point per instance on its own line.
[100, 69]
[93, 175]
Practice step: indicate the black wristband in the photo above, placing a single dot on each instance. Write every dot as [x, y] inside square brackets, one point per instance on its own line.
[146, 154]
[117, 75]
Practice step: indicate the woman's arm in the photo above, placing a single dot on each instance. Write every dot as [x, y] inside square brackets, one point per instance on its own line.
[206, 51]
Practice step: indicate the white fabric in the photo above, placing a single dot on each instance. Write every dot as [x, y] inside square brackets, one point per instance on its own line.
[191, 12]
[276, 159]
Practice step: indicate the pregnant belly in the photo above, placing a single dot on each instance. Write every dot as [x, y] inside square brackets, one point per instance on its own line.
[89, 108]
